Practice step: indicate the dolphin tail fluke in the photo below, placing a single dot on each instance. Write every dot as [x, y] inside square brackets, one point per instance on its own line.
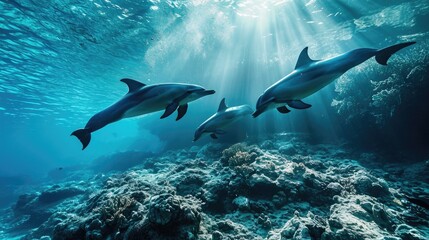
[383, 55]
[84, 136]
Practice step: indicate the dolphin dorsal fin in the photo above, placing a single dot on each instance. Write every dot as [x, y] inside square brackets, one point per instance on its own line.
[304, 59]
[222, 105]
[133, 85]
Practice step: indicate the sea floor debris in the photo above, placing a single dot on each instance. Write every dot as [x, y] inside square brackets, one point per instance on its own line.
[282, 188]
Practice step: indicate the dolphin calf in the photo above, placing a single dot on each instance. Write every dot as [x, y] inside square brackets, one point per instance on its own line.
[222, 118]
[311, 75]
[142, 99]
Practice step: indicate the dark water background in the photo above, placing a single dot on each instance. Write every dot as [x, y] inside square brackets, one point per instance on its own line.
[61, 61]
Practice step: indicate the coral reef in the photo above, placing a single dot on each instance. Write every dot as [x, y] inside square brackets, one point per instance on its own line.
[282, 188]
[381, 100]
[33, 209]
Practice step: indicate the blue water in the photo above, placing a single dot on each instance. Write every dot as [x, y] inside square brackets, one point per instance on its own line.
[61, 62]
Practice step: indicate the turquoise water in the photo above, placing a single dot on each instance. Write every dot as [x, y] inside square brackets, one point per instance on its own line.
[61, 62]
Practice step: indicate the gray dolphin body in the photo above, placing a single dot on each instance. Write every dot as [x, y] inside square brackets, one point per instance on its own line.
[142, 99]
[310, 76]
[221, 119]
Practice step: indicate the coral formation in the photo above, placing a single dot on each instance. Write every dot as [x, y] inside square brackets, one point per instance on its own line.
[242, 191]
[375, 102]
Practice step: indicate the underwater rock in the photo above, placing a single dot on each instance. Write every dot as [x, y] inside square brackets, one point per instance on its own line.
[309, 227]
[261, 186]
[288, 150]
[27, 203]
[375, 108]
[238, 192]
[57, 193]
[268, 144]
[34, 210]
[280, 199]
[169, 217]
[69, 230]
[242, 203]
[366, 184]
[215, 195]
[234, 230]
[163, 209]
[216, 235]
[264, 221]
[238, 154]
[334, 188]
[211, 151]
[190, 184]
[408, 233]
[382, 216]
[47, 228]
[357, 217]
[23, 204]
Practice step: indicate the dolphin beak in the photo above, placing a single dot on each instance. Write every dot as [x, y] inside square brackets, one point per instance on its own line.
[197, 136]
[257, 113]
[208, 92]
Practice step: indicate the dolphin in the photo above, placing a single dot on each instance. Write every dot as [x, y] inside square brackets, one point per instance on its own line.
[311, 75]
[142, 99]
[222, 118]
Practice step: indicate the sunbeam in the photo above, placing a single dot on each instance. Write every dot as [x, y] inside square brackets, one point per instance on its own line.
[242, 47]
[214, 119]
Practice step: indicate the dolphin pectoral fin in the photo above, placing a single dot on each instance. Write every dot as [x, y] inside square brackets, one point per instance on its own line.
[213, 136]
[84, 136]
[298, 104]
[383, 55]
[181, 111]
[174, 105]
[170, 109]
[133, 85]
[283, 109]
